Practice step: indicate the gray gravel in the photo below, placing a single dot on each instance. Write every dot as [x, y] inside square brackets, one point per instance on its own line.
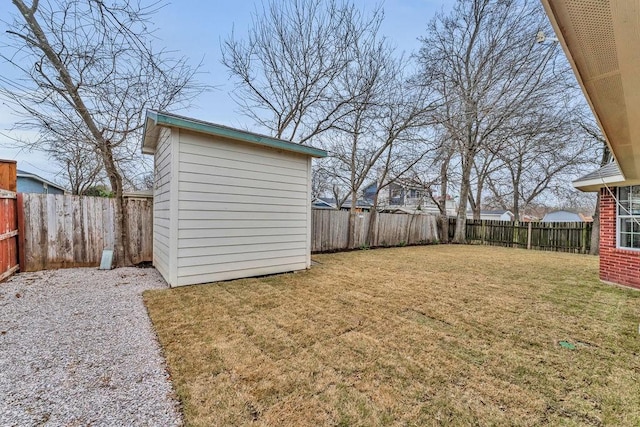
[77, 348]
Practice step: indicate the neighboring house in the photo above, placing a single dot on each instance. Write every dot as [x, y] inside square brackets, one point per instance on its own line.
[405, 196]
[601, 42]
[319, 203]
[330, 203]
[562, 216]
[31, 183]
[494, 215]
[227, 203]
[400, 193]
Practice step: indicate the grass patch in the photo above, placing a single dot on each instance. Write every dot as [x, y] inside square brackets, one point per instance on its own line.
[432, 335]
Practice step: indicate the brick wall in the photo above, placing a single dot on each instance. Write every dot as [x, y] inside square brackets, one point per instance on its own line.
[616, 265]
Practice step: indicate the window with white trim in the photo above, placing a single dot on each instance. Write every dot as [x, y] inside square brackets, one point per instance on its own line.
[629, 217]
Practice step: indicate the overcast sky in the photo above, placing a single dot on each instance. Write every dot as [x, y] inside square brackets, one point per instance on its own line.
[194, 29]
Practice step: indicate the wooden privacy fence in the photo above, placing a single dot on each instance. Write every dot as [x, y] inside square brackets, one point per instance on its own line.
[72, 231]
[547, 236]
[329, 230]
[8, 234]
[8, 219]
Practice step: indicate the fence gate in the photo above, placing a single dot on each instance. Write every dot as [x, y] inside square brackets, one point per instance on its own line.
[8, 219]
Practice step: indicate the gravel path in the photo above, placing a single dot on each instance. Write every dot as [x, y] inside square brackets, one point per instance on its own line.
[77, 348]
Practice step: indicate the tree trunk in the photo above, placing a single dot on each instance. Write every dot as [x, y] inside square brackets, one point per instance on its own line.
[351, 241]
[475, 207]
[461, 220]
[373, 221]
[442, 206]
[516, 204]
[120, 232]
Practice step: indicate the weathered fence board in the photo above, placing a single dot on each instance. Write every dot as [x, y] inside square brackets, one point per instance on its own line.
[547, 236]
[330, 230]
[8, 219]
[8, 234]
[72, 231]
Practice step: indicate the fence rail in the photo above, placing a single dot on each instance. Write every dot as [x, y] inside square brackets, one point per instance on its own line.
[330, 230]
[71, 231]
[547, 236]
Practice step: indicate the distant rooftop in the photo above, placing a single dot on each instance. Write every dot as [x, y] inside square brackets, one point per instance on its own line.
[25, 174]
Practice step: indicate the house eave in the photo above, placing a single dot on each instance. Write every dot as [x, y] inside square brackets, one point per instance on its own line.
[600, 42]
[594, 185]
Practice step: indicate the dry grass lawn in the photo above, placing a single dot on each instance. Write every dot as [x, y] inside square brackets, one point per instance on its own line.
[435, 335]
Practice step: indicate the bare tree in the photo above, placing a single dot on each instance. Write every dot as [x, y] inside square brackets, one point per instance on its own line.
[387, 117]
[89, 73]
[312, 67]
[288, 67]
[82, 167]
[482, 60]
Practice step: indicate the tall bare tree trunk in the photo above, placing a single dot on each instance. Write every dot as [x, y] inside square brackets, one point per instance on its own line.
[442, 206]
[372, 230]
[460, 235]
[121, 229]
[352, 221]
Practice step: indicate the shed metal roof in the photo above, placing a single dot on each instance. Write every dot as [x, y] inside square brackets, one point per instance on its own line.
[155, 120]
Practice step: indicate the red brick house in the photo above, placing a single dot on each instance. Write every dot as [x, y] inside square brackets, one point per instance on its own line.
[601, 40]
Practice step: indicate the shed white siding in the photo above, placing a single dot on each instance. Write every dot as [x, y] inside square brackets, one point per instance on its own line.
[161, 203]
[242, 210]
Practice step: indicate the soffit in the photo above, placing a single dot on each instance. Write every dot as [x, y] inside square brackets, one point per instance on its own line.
[602, 41]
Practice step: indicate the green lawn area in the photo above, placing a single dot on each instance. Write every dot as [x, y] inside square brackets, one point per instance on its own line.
[431, 335]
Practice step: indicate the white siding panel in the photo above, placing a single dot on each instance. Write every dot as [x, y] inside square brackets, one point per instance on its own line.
[238, 274]
[276, 227]
[234, 197]
[199, 144]
[228, 202]
[215, 162]
[243, 210]
[204, 242]
[161, 198]
[208, 174]
[238, 232]
[253, 212]
[203, 182]
[246, 265]
[193, 255]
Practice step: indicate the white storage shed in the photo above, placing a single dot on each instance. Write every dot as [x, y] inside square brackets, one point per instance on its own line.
[227, 203]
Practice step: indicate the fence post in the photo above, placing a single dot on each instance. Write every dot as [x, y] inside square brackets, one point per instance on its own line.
[529, 235]
[516, 229]
[584, 237]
